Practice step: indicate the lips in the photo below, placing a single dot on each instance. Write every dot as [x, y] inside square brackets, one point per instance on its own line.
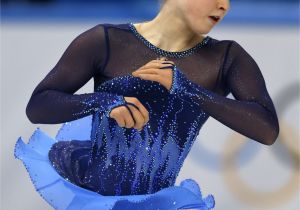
[215, 18]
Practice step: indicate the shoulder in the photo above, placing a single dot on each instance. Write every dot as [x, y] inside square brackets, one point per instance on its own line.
[121, 26]
[237, 56]
[222, 46]
[218, 42]
[98, 33]
[101, 28]
[234, 49]
[237, 49]
[230, 43]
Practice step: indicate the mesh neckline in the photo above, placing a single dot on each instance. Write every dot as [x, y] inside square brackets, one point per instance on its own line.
[166, 53]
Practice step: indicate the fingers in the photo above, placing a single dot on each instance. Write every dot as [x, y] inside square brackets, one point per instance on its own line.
[150, 72]
[162, 60]
[145, 71]
[169, 62]
[153, 77]
[138, 113]
[139, 120]
[122, 116]
[153, 68]
[155, 65]
[129, 117]
[143, 111]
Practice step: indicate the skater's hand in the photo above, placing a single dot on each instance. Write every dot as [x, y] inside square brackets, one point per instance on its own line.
[123, 117]
[152, 71]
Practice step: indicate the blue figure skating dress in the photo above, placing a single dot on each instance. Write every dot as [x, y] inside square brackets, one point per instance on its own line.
[93, 163]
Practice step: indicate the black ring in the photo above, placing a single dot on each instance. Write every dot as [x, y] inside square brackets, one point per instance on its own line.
[130, 112]
[166, 67]
[132, 104]
[168, 63]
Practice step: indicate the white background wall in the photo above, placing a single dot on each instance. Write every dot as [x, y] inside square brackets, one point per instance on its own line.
[269, 175]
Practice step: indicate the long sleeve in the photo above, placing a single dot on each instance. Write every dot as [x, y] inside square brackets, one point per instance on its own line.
[53, 100]
[252, 113]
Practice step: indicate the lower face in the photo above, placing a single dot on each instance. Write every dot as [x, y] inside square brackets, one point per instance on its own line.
[196, 14]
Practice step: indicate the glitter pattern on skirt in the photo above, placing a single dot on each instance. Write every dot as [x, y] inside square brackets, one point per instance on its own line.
[92, 163]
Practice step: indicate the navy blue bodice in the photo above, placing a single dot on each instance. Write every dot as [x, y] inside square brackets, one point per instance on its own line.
[124, 161]
[139, 162]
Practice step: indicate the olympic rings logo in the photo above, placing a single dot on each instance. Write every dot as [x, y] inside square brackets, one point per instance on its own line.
[287, 145]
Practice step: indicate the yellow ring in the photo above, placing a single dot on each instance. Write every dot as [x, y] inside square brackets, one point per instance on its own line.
[248, 194]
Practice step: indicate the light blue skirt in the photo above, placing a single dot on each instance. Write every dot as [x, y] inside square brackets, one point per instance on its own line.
[62, 194]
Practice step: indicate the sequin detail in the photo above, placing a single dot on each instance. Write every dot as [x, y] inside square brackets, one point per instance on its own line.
[162, 52]
[127, 161]
[100, 101]
[51, 186]
[116, 103]
[188, 91]
[175, 78]
[101, 158]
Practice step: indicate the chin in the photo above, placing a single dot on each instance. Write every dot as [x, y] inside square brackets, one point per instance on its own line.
[201, 31]
[202, 28]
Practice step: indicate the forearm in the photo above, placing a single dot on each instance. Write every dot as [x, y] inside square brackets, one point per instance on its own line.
[53, 107]
[246, 117]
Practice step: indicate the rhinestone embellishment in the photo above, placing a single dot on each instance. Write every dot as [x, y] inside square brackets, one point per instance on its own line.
[162, 52]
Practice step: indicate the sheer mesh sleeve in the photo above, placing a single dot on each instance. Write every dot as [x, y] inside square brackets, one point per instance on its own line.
[53, 100]
[252, 113]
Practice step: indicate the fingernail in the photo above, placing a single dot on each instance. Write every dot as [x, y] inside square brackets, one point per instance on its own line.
[162, 58]
[168, 63]
[166, 67]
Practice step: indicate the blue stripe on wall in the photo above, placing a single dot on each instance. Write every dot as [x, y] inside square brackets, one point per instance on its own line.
[240, 12]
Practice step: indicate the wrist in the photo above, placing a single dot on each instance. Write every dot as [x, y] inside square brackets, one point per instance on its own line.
[179, 82]
[117, 101]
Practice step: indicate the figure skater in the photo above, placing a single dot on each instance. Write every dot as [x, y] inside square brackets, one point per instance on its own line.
[155, 85]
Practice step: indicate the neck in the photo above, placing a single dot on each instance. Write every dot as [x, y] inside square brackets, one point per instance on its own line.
[168, 32]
